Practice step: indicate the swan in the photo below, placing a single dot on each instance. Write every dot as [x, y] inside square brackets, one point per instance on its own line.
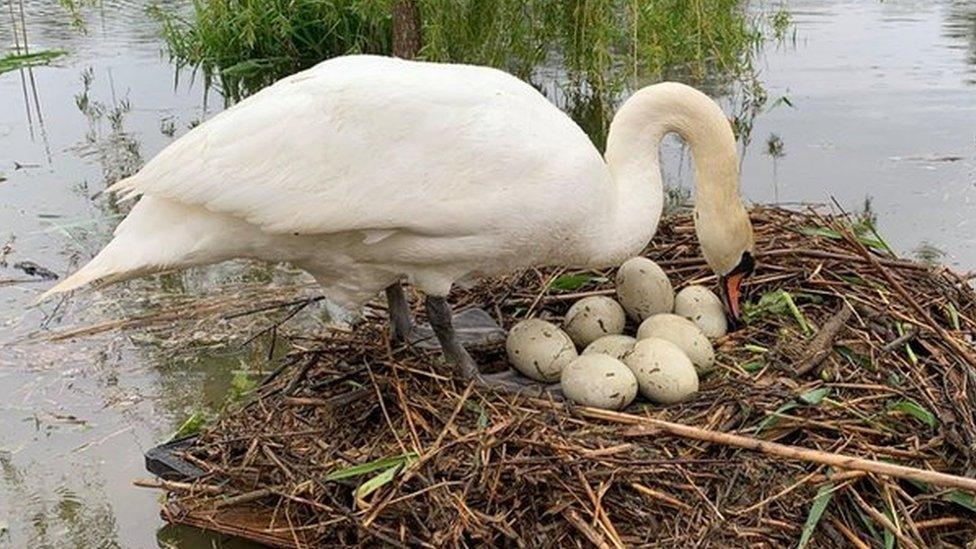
[367, 170]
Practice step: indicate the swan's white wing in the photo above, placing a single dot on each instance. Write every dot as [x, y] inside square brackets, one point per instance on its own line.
[370, 143]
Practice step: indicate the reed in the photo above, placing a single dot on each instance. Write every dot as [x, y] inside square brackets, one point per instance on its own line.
[583, 51]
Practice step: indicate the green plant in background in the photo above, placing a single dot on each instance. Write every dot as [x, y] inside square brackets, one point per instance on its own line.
[15, 61]
[584, 54]
[251, 43]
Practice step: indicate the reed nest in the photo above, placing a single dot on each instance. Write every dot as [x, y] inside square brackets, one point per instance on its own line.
[848, 349]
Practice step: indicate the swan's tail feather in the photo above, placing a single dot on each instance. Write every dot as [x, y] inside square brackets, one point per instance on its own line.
[161, 235]
[99, 270]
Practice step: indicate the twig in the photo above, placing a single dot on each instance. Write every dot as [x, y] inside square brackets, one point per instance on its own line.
[882, 520]
[784, 451]
[909, 335]
[174, 486]
[588, 531]
[823, 343]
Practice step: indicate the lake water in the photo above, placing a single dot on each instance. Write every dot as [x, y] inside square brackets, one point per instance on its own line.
[883, 106]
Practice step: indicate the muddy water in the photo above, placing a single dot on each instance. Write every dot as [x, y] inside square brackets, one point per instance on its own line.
[881, 105]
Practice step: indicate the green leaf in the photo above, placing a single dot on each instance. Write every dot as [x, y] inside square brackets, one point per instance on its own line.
[753, 366]
[571, 282]
[915, 410]
[961, 499]
[954, 316]
[473, 406]
[908, 347]
[876, 242]
[820, 231]
[889, 536]
[241, 384]
[13, 62]
[811, 398]
[778, 302]
[755, 348]
[856, 359]
[820, 502]
[772, 418]
[815, 396]
[371, 466]
[192, 425]
[378, 481]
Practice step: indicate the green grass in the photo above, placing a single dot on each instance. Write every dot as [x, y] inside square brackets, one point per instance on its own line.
[593, 49]
[250, 43]
[13, 61]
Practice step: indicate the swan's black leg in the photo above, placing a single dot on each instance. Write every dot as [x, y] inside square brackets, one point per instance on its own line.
[439, 314]
[398, 310]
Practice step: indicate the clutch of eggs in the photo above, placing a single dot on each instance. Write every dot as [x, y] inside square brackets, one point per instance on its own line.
[598, 365]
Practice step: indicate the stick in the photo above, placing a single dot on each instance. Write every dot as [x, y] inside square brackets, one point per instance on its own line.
[901, 340]
[588, 531]
[823, 343]
[784, 451]
[173, 486]
[883, 521]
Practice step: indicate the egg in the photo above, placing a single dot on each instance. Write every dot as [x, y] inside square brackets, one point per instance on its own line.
[539, 349]
[600, 381]
[593, 317]
[616, 346]
[643, 289]
[664, 373]
[701, 306]
[683, 333]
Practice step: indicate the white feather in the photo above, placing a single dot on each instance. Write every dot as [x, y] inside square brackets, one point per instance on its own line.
[363, 169]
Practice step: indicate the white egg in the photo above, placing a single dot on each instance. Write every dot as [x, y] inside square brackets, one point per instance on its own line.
[704, 308]
[600, 381]
[616, 346]
[683, 333]
[593, 317]
[643, 289]
[539, 349]
[664, 373]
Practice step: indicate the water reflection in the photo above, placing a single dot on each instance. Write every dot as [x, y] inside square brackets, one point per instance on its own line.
[57, 518]
[960, 27]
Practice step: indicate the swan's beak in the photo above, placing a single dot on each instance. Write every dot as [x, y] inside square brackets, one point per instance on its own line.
[731, 289]
[730, 286]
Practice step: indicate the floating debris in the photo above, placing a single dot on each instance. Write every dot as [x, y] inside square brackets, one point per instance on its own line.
[33, 269]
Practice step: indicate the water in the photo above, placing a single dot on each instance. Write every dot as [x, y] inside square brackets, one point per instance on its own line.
[883, 106]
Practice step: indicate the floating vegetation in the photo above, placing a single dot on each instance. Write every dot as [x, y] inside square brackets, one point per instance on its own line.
[14, 61]
[775, 147]
[357, 442]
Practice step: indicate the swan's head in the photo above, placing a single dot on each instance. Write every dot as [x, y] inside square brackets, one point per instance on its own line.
[725, 236]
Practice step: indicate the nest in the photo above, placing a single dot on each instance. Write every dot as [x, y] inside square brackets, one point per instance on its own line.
[848, 350]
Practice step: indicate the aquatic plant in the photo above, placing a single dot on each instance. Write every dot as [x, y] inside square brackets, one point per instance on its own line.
[15, 61]
[251, 43]
[586, 52]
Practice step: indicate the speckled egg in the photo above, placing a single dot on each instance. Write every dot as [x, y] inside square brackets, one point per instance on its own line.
[701, 306]
[643, 289]
[600, 381]
[539, 349]
[616, 346]
[593, 317]
[664, 373]
[683, 333]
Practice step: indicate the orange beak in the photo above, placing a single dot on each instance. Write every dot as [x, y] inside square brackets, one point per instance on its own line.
[731, 288]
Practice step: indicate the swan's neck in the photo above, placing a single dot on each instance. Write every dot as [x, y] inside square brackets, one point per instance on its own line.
[632, 158]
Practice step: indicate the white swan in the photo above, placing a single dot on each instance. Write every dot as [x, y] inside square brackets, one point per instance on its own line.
[364, 169]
